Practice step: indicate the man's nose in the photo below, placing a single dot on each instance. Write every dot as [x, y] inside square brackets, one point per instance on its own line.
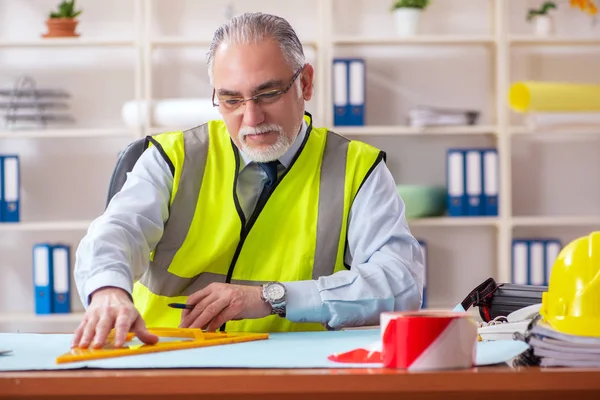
[253, 114]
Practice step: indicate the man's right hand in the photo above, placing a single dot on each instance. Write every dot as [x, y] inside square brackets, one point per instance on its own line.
[110, 308]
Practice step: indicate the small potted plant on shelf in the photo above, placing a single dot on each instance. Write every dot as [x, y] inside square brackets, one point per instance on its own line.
[543, 23]
[63, 22]
[407, 14]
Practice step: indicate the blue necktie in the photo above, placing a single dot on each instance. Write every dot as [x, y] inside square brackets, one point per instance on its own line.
[270, 169]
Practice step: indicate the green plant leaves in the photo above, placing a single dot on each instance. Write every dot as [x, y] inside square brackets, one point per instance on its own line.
[66, 9]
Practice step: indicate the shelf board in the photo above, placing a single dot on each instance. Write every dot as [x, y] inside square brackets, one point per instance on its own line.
[48, 318]
[418, 39]
[550, 40]
[574, 220]
[409, 130]
[68, 42]
[592, 130]
[44, 226]
[187, 41]
[453, 221]
[67, 133]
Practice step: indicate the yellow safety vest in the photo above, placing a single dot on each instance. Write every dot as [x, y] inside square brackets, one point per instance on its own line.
[298, 234]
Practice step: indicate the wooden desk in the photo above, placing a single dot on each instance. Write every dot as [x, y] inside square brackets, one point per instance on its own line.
[484, 383]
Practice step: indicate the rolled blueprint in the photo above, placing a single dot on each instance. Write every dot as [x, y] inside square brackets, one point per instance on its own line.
[176, 112]
[562, 119]
[554, 97]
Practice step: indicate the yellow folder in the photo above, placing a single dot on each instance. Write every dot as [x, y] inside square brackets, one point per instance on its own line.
[530, 96]
[179, 338]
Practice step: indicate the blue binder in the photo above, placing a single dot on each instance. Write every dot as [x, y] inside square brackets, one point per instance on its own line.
[349, 82]
[42, 277]
[455, 183]
[340, 92]
[1, 188]
[520, 262]
[356, 91]
[491, 181]
[552, 248]
[536, 265]
[10, 200]
[61, 267]
[425, 260]
[474, 182]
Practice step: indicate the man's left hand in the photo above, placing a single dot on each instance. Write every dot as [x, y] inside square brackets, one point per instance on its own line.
[221, 302]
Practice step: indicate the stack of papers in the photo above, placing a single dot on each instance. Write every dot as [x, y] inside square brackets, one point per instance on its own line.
[423, 116]
[556, 349]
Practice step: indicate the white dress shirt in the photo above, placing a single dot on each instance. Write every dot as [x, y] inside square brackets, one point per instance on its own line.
[386, 274]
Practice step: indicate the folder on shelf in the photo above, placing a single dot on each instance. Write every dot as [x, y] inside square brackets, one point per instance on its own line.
[61, 267]
[340, 92]
[42, 277]
[490, 181]
[349, 91]
[424, 252]
[1, 188]
[536, 262]
[520, 262]
[10, 200]
[356, 69]
[474, 184]
[455, 182]
[551, 249]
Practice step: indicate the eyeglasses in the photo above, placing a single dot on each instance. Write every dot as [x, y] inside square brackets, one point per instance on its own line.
[231, 103]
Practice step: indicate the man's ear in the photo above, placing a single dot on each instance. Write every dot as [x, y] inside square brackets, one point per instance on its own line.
[307, 81]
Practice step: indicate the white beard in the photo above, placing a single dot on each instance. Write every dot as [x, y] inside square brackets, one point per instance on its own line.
[273, 152]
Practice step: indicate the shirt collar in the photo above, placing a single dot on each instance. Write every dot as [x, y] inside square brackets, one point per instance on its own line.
[286, 159]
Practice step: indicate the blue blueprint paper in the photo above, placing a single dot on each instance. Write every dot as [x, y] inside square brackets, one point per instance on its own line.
[281, 350]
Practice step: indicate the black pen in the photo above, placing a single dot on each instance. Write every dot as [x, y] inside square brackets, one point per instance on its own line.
[183, 306]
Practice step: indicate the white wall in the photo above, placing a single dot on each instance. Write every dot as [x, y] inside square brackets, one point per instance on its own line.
[67, 178]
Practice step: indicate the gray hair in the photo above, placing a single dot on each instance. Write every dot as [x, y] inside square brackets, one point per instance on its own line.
[253, 27]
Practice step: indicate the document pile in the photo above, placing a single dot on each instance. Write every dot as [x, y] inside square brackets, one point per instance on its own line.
[26, 106]
[430, 116]
[551, 348]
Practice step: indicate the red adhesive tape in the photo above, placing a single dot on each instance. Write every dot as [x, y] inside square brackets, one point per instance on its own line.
[428, 340]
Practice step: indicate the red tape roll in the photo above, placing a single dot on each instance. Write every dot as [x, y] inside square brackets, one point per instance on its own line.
[428, 340]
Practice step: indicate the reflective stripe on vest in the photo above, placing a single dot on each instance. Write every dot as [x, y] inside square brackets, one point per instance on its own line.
[329, 224]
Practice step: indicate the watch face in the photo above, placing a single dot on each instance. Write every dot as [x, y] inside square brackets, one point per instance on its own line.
[274, 292]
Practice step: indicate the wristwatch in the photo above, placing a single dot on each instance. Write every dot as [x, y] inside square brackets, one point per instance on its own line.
[274, 293]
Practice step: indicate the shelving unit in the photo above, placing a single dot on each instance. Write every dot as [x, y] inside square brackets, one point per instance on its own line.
[67, 133]
[498, 42]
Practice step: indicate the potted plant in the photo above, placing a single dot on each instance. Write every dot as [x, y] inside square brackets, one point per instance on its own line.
[62, 22]
[543, 23]
[407, 14]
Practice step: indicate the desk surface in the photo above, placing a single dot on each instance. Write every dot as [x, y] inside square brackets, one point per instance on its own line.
[487, 383]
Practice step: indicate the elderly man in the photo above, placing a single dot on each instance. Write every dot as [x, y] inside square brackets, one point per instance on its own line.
[261, 222]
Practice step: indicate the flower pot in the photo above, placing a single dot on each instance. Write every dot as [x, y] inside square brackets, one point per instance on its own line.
[543, 25]
[61, 27]
[407, 21]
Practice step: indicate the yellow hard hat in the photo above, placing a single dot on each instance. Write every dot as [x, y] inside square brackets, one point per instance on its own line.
[572, 303]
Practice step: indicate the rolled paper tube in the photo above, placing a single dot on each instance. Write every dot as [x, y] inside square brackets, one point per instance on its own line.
[554, 97]
[180, 113]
